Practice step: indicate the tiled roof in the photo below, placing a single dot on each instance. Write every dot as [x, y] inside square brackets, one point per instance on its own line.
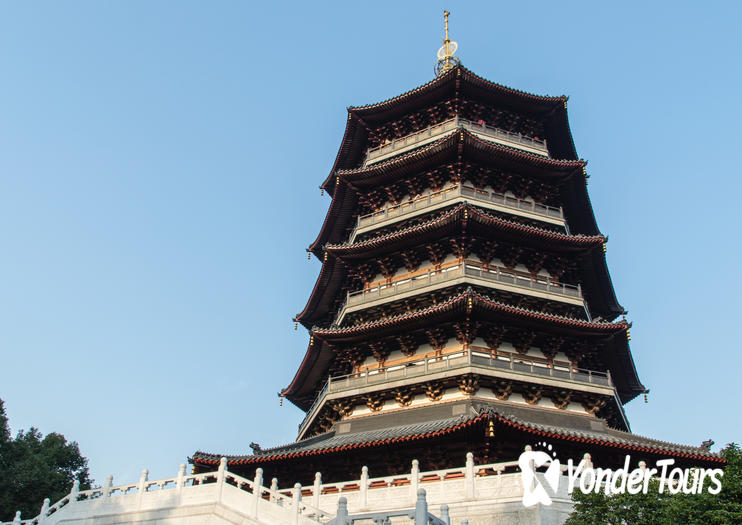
[470, 298]
[549, 424]
[527, 419]
[331, 441]
[476, 213]
[471, 139]
[331, 269]
[456, 71]
[342, 204]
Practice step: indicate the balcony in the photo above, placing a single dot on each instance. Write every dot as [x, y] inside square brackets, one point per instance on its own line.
[448, 127]
[461, 361]
[456, 272]
[459, 193]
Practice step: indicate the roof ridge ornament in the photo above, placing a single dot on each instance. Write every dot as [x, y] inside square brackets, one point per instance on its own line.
[446, 58]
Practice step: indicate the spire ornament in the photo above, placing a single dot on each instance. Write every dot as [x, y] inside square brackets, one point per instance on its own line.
[446, 58]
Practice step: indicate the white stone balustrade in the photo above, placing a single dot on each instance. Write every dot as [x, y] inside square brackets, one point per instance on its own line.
[179, 500]
[474, 492]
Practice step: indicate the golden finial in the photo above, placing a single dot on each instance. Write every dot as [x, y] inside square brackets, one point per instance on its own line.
[446, 58]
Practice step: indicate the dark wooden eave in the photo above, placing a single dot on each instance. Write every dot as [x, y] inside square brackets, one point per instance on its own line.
[338, 219]
[467, 217]
[465, 146]
[321, 301]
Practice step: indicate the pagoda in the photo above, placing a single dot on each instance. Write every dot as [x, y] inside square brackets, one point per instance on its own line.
[464, 303]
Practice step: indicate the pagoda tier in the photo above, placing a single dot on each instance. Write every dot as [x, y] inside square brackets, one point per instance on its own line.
[453, 159]
[459, 92]
[469, 320]
[463, 231]
[439, 437]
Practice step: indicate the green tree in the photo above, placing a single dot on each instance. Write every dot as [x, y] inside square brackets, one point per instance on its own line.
[654, 508]
[34, 467]
[4, 428]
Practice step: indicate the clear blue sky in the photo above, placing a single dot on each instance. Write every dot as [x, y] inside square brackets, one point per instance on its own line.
[159, 172]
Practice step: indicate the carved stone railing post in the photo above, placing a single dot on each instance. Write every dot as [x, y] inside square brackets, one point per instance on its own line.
[257, 488]
[107, 486]
[415, 475]
[44, 510]
[180, 479]
[221, 472]
[74, 492]
[274, 490]
[143, 481]
[316, 489]
[296, 495]
[421, 508]
[445, 518]
[342, 515]
[142, 487]
[364, 487]
[469, 476]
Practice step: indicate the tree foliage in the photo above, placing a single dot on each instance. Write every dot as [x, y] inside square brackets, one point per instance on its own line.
[34, 467]
[654, 508]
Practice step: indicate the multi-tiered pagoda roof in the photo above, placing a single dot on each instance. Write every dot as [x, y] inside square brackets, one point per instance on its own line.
[464, 301]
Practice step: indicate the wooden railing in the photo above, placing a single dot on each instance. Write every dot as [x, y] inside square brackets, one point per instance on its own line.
[459, 358]
[451, 271]
[432, 133]
[456, 269]
[435, 198]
